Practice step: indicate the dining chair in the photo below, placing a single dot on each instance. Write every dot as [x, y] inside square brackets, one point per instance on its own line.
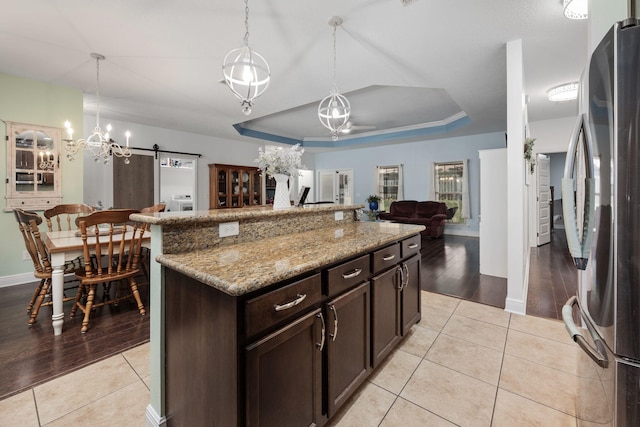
[28, 223]
[117, 259]
[66, 214]
[155, 208]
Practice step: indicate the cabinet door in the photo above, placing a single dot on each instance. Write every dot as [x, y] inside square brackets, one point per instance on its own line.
[348, 345]
[385, 314]
[284, 375]
[411, 293]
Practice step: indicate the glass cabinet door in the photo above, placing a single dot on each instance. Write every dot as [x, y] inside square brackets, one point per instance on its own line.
[34, 166]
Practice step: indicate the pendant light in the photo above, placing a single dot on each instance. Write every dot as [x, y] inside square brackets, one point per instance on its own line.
[245, 71]
[334, 110]
[575, 9]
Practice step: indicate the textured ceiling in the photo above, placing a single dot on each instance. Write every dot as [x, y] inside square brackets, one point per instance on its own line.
[400, 65]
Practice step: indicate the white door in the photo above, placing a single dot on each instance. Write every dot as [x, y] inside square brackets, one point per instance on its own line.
[336, 186]
[543, 200]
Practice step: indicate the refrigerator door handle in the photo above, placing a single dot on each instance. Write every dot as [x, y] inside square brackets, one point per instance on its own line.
[597, 354]
[579, 246]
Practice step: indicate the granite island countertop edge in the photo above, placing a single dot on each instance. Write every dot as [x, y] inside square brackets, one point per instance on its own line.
[246, 267]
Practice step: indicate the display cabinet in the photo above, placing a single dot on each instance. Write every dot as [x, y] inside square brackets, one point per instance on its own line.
[33, 166]
[233, 186]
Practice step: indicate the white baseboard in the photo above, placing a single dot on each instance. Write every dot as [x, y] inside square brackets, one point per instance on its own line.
[460, 231]
[520, 306]
[153, 419]
[16, 279]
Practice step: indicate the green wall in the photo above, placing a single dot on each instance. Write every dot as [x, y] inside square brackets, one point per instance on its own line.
[29, 101]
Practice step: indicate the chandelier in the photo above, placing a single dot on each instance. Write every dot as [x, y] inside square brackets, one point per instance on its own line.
[334, 110]
[99, 144]
[47, 161]
[245, 71]
[576, 9]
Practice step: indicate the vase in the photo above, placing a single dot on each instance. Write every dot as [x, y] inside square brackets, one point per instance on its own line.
[373, 206]
[281, 199]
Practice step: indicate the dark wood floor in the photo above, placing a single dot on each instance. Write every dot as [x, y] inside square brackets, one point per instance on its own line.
[32, 355]
[450, 266]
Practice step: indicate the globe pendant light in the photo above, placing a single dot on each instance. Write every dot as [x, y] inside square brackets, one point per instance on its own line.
[334, 110]
[245, 71]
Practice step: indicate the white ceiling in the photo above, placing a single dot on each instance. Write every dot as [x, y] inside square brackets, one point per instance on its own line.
[402, 65]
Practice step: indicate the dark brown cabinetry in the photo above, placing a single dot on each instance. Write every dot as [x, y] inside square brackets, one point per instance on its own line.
[233, 186]
[291, 354]
[395, 296]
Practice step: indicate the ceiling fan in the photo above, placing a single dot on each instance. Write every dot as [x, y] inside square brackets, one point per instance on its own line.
[349, 127]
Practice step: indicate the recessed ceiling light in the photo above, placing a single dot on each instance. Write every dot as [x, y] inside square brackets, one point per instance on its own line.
[565, 92]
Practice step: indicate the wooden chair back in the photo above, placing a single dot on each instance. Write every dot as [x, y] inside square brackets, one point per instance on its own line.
[28, 223]
[119, 257]
[66, 214]
[155, 208]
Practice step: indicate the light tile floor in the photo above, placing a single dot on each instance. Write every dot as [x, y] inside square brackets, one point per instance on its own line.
[465, 364]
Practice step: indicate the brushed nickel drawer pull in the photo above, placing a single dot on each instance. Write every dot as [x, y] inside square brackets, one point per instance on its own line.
[354, 273]
[389, 257]
[413, 245]
[293, 303]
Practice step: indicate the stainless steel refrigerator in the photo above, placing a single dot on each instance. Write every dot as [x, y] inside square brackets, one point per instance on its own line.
[601, 206]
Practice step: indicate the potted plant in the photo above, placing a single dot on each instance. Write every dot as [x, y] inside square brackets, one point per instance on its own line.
[528, 153]
[373, 201]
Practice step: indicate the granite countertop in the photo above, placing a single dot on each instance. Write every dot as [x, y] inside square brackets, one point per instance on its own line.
[246, 267]
[223, 215]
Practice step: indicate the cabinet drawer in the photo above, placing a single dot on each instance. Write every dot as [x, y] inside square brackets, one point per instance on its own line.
[411, 246]
[346, 275]
[385, 258]
[266, 310]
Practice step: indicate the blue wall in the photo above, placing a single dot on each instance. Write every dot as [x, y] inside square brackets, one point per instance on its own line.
[417, 158]
[556, 173]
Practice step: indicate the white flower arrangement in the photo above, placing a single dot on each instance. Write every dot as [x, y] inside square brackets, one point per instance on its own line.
[285, 161]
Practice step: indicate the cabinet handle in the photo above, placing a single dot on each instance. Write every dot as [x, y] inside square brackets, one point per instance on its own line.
[405, 268]
[413, 245]
[293, 303]
[389, 257]
[354, 273]
[320, 345]
[335, 323]
[400, 271]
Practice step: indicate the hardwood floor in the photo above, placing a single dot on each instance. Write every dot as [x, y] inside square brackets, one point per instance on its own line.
[33, 355]
[450, 265]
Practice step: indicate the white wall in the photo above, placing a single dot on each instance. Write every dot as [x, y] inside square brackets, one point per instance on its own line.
[212, 149]
[417, 158]
[552, 136]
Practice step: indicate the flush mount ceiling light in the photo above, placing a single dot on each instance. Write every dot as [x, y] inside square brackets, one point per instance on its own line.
[245, 71]
[576, 9]
[334, 110]
[98, 143]
[565, 92]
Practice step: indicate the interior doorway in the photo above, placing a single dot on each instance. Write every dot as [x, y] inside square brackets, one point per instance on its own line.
[543, 200]
[177, 182]
[336, 186]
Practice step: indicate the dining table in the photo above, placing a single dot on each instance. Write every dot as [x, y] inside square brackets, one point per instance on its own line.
[65, 246]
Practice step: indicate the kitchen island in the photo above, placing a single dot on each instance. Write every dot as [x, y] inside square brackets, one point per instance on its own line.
[280, 323]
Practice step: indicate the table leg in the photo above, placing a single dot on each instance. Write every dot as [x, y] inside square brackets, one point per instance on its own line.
[57, 292]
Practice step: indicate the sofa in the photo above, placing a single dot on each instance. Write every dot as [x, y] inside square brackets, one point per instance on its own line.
[432, 215]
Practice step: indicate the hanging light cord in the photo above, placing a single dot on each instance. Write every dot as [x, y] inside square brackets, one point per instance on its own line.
[246, 22]
[334, 57]
[97, 93]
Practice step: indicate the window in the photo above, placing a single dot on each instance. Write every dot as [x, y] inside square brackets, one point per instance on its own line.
[448, 187]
